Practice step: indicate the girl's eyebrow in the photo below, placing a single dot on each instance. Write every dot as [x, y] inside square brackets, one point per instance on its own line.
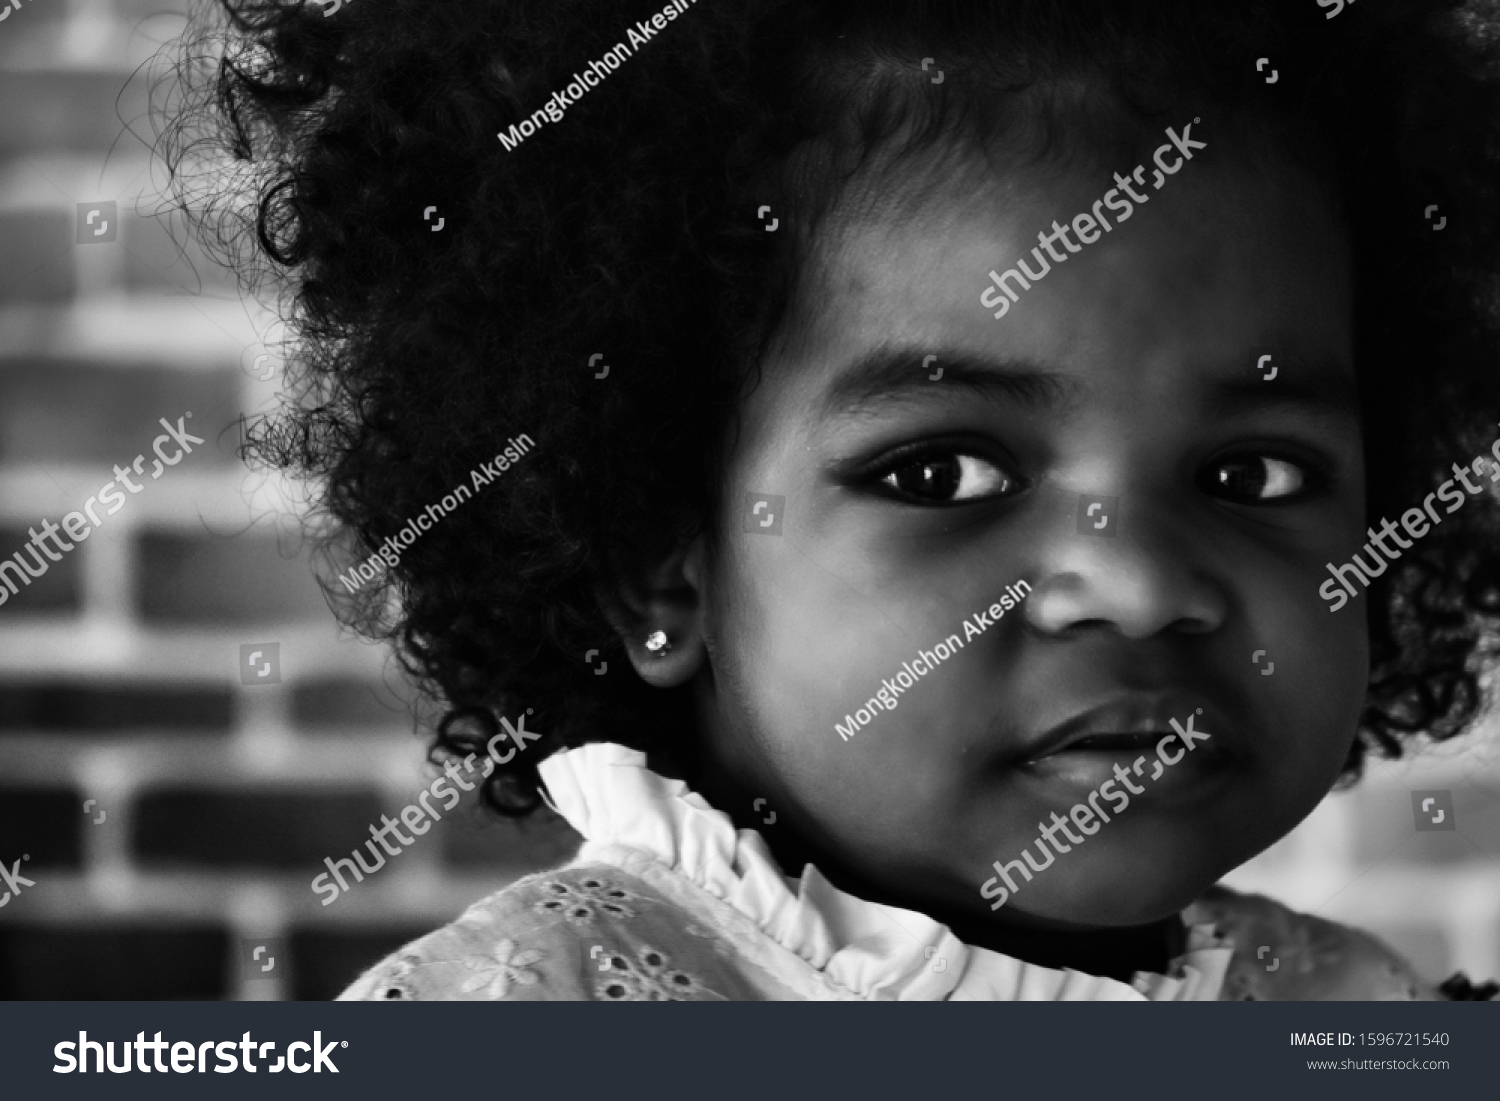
[892, 372]
[1321, 390]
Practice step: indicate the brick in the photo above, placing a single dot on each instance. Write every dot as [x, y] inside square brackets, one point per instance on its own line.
[39, 247]
[80, 412]
[478, 838]
[35, 32]
[325, 963]
[166, 256]
[45, 823]
[218, 581]
[66, 110]
[132, 12]
[97, 962]
[35, 12]
[66, 707]
[56, 591]
[1479, 818]
[348, 702]
[250, 828]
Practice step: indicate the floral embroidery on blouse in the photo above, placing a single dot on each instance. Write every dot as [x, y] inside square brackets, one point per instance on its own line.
[651, 979]
[583, 903]
[498, 968]
[395, 987]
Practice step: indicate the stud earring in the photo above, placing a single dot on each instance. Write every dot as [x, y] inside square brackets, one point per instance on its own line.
[657, 643]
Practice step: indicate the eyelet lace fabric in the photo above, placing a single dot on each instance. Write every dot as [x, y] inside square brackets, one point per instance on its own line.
[649, 978]
[584, 903]
[586, 933]
[667, 901]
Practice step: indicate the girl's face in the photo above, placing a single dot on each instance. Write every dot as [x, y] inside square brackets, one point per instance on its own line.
[1130, 372]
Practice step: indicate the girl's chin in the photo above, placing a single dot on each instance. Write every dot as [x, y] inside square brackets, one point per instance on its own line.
[1122, 911]
[1113, 891]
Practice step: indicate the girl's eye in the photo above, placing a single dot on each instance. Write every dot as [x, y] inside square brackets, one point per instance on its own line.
[1256, 478]
[947, 477]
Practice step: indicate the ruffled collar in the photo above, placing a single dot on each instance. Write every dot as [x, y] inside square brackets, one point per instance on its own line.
[606, 792]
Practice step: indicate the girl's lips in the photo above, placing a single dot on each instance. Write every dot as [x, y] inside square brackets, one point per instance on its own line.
[1130, 725]
[1114, 742]
[1133, 736]
[1086, 770]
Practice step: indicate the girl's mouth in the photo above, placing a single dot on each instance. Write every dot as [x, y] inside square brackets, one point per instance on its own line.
[1133, 737]
[1133, 721]
[1114, 742]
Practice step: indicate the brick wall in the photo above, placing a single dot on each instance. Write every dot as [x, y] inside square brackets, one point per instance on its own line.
[211, 803]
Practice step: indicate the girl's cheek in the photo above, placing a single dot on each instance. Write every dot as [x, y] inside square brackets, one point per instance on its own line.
[1315, 666]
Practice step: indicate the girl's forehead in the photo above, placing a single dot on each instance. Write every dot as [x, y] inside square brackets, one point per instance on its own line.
[1217, 263]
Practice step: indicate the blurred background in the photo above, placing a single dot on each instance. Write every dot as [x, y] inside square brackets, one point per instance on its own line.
[185, 734]
[172, 802]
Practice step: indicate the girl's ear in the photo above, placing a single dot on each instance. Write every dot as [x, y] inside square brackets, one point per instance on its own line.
[659, 618]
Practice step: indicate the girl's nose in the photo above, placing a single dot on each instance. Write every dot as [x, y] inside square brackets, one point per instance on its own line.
[1143, 581]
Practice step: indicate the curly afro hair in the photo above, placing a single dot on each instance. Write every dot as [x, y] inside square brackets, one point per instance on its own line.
[313, 139]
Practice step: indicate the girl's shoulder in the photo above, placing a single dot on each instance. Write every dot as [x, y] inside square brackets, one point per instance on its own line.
[1282, 955]
[582, 932]
[595, 932]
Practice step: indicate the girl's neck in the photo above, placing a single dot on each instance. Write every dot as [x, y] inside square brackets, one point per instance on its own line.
[1116, 952]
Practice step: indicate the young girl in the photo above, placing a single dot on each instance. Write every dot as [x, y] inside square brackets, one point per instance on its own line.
[942, 411]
